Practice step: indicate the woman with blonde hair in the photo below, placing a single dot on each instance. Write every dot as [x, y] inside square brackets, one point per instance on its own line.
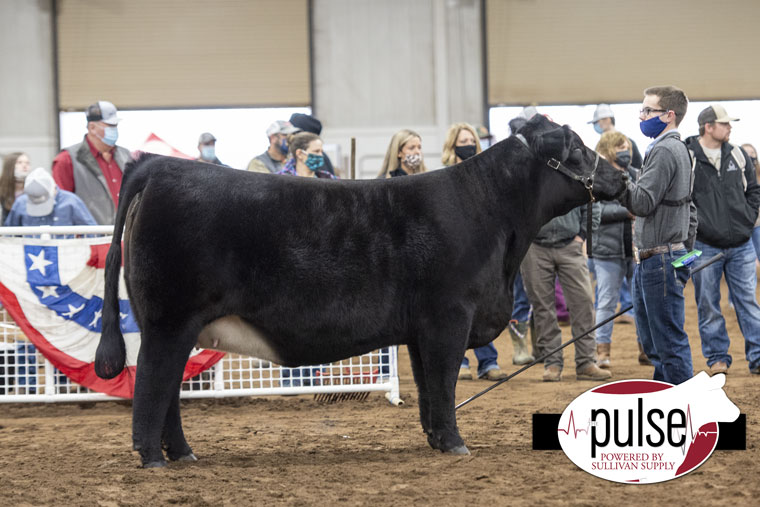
[461, 143]
[16, 167]
[404, 155]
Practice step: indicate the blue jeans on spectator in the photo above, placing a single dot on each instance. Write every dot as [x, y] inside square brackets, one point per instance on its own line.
[738, 265]
[26, 366]
[301, 376]
[487, 356]
[625, 293]
[658, 305]
[610, 274]
[756, 241]
[521, 308]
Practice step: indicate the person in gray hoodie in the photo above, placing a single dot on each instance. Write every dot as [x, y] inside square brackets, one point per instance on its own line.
[665, 225]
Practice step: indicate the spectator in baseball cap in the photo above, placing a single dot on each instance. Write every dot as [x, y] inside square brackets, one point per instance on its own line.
[85, 166]
[43, 203]
[271, 160]
[207, 149]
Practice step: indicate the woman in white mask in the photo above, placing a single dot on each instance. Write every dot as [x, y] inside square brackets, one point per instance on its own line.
[16, 167]
[404, 155]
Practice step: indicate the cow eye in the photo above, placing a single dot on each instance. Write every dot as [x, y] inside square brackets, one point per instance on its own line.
[576, 156]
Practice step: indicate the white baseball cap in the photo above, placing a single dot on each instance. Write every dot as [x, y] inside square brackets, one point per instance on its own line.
[103, 111]
[40, 190]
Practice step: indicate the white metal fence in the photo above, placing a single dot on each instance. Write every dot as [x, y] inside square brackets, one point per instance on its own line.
[26, 376]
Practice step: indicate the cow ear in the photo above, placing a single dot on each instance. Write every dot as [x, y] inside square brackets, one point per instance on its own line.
[554, 143]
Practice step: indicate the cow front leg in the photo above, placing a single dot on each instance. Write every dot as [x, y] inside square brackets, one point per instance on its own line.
[160, 366]
[441, 349]
[419, 378]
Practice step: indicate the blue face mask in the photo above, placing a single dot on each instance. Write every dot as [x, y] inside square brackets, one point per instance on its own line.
[598, 128]
[315, 162]
[284, 147]
[110, 135]
[652, 127]
[208, 153]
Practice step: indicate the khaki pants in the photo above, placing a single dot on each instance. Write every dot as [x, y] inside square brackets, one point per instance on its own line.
[539, 269]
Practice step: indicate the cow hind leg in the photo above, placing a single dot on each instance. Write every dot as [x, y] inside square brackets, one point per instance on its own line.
[173, 438]
[155, 410]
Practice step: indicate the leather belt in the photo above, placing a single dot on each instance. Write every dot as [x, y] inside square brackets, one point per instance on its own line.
[649, 252]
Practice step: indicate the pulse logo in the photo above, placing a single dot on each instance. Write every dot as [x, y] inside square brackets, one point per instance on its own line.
[645, 431]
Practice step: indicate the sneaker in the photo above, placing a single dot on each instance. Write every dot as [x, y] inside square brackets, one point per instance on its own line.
[719, 367]
[552, 373]
[592, 372]
[464, 374]
[755, 371]
[493, 374]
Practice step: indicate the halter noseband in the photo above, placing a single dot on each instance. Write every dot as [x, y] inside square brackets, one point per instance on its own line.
[586, 181]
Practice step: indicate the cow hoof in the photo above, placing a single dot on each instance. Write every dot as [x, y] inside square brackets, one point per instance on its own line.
[461, 450]
[187, 457]
[155, 464]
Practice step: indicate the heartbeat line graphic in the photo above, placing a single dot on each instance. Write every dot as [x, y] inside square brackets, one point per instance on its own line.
[690, 431]
[571, 422]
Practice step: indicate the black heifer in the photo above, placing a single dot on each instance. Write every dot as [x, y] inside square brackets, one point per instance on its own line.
[306, 271]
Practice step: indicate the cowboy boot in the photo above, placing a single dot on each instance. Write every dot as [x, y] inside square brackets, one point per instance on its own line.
[603, 355]
[643, 359]
[520, 354]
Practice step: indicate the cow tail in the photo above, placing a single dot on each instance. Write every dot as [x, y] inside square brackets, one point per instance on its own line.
[111, 354]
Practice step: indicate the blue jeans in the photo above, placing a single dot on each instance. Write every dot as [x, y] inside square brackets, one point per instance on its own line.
[610, 274]
[301, 376]
[625, 293]
[756, 240]
[486, 359]
[658, 305]
[521, 308]
[26, 366]
[738, 265]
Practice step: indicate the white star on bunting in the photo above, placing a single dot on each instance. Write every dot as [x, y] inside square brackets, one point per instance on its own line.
[48, 291]
[39, 262]
[94, 322]
[73, 311]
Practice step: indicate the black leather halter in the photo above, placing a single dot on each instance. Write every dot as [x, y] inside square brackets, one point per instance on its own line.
[586, 181]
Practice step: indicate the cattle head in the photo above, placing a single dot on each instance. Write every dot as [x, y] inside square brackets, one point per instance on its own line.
[564, 151]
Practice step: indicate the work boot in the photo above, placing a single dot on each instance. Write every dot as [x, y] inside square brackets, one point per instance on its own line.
[464, 374]
[517, 331]
[603, 355]
[643, 359]
[719, 367]
[494, 375]
[552, 373]
[592, 372]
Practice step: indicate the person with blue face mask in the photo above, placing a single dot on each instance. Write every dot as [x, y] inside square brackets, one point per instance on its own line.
[93, 168]
[207, 149]
[306, 157]
[665, 227]
[272, 160]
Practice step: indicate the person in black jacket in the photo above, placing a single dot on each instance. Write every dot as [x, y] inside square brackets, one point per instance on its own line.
[727, 197]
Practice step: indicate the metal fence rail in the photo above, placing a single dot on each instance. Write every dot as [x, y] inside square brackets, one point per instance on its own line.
[27, 376]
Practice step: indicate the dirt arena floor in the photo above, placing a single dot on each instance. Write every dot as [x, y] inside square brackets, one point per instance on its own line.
[294, 451]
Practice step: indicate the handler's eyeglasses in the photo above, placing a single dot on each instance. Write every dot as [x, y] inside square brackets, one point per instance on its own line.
[648, 110]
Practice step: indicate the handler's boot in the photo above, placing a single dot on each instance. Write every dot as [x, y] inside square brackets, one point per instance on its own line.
[518, 332]
[643, 359]
[603, 355]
